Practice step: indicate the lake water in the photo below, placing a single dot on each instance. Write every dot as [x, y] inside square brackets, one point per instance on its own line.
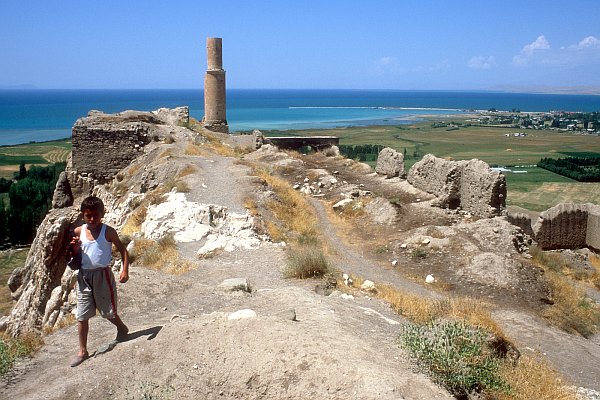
[40, 115]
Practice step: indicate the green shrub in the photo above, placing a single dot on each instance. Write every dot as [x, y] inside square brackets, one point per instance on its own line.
[456, 355]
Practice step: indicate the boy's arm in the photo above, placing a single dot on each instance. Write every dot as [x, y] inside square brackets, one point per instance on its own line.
[112, 236]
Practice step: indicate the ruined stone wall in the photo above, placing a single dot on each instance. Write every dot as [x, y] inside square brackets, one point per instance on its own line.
[439, 177]
[390, 163]
[102, 146]
[481, 189]
[562, 226]
[470, 185]
[592, 237]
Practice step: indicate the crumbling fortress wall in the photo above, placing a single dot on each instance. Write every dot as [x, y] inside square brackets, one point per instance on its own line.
[564, 226]
[103, 144]
[471, 185]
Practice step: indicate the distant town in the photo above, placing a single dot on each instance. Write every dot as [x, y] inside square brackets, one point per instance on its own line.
[580, 122]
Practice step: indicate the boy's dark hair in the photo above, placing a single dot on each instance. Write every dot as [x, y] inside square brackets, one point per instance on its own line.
[92, 203]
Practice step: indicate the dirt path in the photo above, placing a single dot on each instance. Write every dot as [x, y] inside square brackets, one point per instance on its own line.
[182, 344]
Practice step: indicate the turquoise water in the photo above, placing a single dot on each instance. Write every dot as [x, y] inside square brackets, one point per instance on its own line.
[39, 115]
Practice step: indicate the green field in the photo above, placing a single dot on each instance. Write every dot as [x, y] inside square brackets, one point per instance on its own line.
[537, 189]
[39, 153]
[9, 260]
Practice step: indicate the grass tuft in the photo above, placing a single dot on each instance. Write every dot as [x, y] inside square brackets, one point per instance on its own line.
[307, 261]
[161, 255]
[294, 214]
[12, 349]
[533, 378]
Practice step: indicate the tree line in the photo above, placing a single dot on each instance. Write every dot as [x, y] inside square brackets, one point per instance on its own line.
[29, 200]
[361, 152]
[582, 169]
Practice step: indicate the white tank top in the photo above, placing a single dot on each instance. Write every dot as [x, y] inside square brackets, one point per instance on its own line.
[96, 253]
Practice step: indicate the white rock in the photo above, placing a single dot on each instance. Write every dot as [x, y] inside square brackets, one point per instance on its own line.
[403, 245]
[368, 286]
[394, 263]
[425, 241]
[346, 296]
[341, 204]
[429, 279]
[241, 314]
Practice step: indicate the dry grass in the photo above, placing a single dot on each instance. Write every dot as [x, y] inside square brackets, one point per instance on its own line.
[64, 322]
[595, 263]
[533, 378]
[194, 150]
[187, 170]
[291, 209]
[161, 255]
[135, 220]
[422, 310]
[572, 311]
[167, 153]
[12, 349]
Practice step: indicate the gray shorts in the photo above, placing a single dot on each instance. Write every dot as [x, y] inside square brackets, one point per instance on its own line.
[96, 289]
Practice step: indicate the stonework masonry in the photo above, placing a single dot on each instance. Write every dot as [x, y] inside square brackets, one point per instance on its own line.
[102, 147]
[215, 105]
[103, 144]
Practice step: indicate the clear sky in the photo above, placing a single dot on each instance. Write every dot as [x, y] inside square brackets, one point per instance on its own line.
[387, 44]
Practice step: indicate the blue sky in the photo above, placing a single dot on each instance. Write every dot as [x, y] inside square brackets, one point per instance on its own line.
[302, 44]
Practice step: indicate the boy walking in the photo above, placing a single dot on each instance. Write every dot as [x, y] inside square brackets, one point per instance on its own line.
[96, 288]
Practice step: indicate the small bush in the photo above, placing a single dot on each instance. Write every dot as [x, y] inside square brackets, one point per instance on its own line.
[306, 262]
[456, 355]
[419, 253]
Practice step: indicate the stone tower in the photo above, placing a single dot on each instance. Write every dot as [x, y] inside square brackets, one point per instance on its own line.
[214, 88]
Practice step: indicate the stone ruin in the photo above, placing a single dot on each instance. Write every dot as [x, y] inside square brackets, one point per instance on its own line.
[564, 226]
[390, 163]
[470, 185]
[103, 144]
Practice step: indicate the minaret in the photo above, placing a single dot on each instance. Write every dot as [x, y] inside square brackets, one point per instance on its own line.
[214, 88]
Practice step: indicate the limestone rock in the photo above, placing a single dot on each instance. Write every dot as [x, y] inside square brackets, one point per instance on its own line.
[241, 314]
[63, 196]
[174, 116]
[35, 283]
[341, 204]
[235, 284]
[390, 163]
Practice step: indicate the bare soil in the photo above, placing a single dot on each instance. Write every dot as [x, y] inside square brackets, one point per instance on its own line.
[182, 344]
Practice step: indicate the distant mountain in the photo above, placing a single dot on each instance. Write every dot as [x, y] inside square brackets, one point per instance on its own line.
[546, 89]
[18, 87]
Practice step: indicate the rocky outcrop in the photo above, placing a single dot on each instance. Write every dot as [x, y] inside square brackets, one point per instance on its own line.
[471, 185]
[568, 226]
[189, 221]
[390, 163]
[174, 116]
[34, 285]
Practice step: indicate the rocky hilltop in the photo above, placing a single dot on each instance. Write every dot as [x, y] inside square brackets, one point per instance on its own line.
[210, 310]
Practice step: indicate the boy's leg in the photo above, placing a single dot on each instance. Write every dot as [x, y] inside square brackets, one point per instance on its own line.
[122, 329]
[83, 327]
